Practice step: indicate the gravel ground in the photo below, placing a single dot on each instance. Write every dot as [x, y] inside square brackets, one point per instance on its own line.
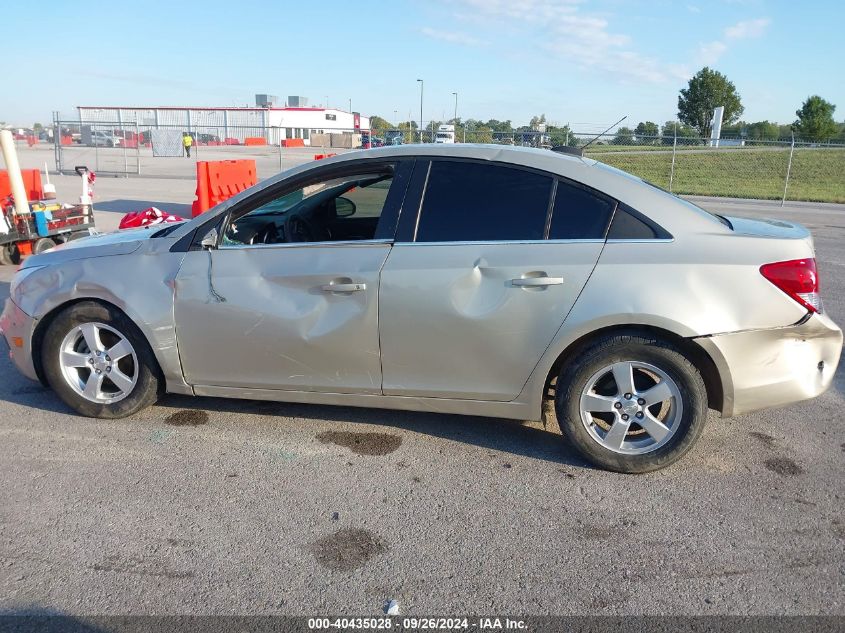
[210, 506]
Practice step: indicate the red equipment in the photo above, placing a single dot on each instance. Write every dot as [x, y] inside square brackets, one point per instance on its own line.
[147, 217]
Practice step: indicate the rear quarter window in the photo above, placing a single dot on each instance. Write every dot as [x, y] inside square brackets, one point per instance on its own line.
[629, 224]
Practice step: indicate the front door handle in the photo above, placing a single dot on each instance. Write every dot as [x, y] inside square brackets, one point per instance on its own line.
[537, 282]
[351, 287]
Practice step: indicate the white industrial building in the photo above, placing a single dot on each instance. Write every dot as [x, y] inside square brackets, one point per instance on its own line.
[270, 122]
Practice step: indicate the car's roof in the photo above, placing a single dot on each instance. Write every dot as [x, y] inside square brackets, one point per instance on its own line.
[528, 156]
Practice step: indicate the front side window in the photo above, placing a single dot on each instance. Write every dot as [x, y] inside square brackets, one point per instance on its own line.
[475, 202]
[339, 209]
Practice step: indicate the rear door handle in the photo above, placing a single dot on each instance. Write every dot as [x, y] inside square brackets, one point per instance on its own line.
[343, 287]
[535, 282]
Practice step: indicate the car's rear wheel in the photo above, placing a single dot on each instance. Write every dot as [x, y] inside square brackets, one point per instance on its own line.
[631, 403]
[98, 362]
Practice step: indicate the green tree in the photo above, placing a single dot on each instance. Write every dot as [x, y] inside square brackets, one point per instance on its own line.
[757, 131]
[707, 90]
[815, 120]
[37, 127]
[409, 130]
[647, 132]
[763, 131]
[483, 134]
[498, 126]
[379, 126]
[537, 121]
[684, 132]
[624, 136]
[561, 136]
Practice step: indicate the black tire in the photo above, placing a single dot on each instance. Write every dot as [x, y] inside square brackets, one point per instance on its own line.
[641, 348]
[41, 245]
[5, 255]
[149, 385]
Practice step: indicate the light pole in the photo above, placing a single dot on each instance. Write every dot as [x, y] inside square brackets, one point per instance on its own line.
[422, 83]
[456, 107]
[327, 102]
[350, 104]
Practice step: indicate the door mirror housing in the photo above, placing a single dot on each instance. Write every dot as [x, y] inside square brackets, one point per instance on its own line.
[344, 207]
[209, 240]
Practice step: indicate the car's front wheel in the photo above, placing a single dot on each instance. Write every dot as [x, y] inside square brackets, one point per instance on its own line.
[631, 403]
[98, 361]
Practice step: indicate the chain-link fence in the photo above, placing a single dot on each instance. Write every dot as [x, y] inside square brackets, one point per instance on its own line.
[120, 148]
[779, 170]
[742, 168]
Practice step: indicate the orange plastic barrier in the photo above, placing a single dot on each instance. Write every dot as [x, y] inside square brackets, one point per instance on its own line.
[219, 180]
[292, 142]
[31, 182]
[66, 140]
[232, 141]
[255, 140]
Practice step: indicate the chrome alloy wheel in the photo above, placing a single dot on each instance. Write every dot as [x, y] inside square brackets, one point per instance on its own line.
[99, 363]
[631, 407]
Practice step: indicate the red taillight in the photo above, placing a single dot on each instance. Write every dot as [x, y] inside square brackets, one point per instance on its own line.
[797, 278]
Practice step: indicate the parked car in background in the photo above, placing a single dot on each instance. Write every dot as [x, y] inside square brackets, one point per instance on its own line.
[103, 138]
[393, 137]
[461, 279]
[203, 137]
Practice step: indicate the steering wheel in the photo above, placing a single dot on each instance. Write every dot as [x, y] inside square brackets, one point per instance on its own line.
[298, 229]
[268, 235]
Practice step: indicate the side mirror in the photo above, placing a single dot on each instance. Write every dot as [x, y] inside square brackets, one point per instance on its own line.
[344, 207]
[209, 241]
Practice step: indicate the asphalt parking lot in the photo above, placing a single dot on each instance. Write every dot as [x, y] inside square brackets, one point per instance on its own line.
[210, 506]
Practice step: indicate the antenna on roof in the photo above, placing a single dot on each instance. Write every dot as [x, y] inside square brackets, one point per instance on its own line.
[583, 147]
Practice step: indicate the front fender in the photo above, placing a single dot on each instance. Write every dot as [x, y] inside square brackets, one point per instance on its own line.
[140, 284]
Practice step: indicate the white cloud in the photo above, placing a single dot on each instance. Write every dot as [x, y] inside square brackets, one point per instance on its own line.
[454, 37]
[710, 52]
[564, 29]
[574, 35]
[747, 29]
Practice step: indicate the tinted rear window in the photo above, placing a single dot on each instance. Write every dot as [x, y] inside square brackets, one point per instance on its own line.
[579, 214]
[629, 225]
[473, 202]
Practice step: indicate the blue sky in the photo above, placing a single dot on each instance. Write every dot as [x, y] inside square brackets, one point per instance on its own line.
[586, 62]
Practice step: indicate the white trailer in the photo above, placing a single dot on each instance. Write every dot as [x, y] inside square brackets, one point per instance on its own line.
[445, 134]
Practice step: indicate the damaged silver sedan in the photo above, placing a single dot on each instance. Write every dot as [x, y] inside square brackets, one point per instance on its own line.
[465, 279]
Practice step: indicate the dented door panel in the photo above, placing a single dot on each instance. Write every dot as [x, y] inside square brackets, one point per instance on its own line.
[266, 317]
[471, 320]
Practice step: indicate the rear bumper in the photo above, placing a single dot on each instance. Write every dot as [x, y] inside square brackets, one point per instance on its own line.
[761, 369]
[17, 328]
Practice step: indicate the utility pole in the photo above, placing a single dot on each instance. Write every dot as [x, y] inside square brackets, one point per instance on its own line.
[422, 84]
[456, 107]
